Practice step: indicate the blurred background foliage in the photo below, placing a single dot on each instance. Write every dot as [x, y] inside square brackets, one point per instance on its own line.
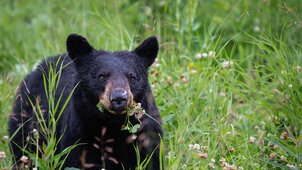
[227, 79]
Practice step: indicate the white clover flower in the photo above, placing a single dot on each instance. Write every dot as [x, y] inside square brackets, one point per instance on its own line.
[202, 155]
[227, 64]
[2, 155]
[148, 11]
[198, 55]
[211, 165]
[298, 69]
[212, 54]
[252, 139]
[170, 155]
[5, 138]
[196, 147]
[204, 55]
[256, 28]
[290, 166]
[24, 159]
[201, 55]
[193, 71]
[283, 158]
[232, 167]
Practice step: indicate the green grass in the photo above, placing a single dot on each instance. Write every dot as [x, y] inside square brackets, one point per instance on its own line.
[249, 114]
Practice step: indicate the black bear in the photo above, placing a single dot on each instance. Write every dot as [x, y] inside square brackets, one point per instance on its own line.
[104, 85]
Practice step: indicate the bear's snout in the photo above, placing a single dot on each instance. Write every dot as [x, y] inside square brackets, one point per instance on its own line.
[118, 99]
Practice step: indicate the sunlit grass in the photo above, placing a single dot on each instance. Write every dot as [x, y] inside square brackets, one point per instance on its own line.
[227, 79]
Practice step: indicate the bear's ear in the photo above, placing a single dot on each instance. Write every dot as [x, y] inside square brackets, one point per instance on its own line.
[148, 50]
[77, 46]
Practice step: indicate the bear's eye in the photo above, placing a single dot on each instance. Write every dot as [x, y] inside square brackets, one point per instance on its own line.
[102, 76]
[132, 77]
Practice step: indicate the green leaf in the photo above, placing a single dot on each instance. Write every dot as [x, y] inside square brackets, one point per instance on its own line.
[134, 128]
[100, 107]
[168, 118]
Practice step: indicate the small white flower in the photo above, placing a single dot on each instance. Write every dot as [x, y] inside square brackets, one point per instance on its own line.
[256, 28]
[227, 64]
[211, 165]
[252, 139]
[156, 63]
[162, 3]
[198, 55]
[171, 155]
[5, 138]
[196, 147]
[24, 159]
[232, 167]
[290, 86]
[222, 94]
[283, 158]
[222, 160]
[201, 55]
[2, 155]
[193, 71]
[204, 55]
[290, 166]
[298, 69]
[35, 133]
[148, 11]
[212, 54]
[202, 155]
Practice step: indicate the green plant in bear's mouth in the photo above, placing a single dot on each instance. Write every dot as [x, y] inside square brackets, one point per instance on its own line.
[136, 110]
[100, 107]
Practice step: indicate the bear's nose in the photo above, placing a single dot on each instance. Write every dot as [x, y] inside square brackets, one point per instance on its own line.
[118, 99]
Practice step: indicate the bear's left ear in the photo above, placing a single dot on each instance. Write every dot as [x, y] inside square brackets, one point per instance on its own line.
[148, 50]
[77, 47]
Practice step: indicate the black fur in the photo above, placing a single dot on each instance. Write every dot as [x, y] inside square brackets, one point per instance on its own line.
[81, 121]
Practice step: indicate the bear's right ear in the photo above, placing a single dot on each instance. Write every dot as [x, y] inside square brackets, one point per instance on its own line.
[148, 50]
[77, 46]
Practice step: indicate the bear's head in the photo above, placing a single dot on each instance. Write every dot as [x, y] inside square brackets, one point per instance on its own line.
[113, 79]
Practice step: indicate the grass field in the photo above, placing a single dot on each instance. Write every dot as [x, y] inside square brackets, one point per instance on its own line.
[228, 80]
